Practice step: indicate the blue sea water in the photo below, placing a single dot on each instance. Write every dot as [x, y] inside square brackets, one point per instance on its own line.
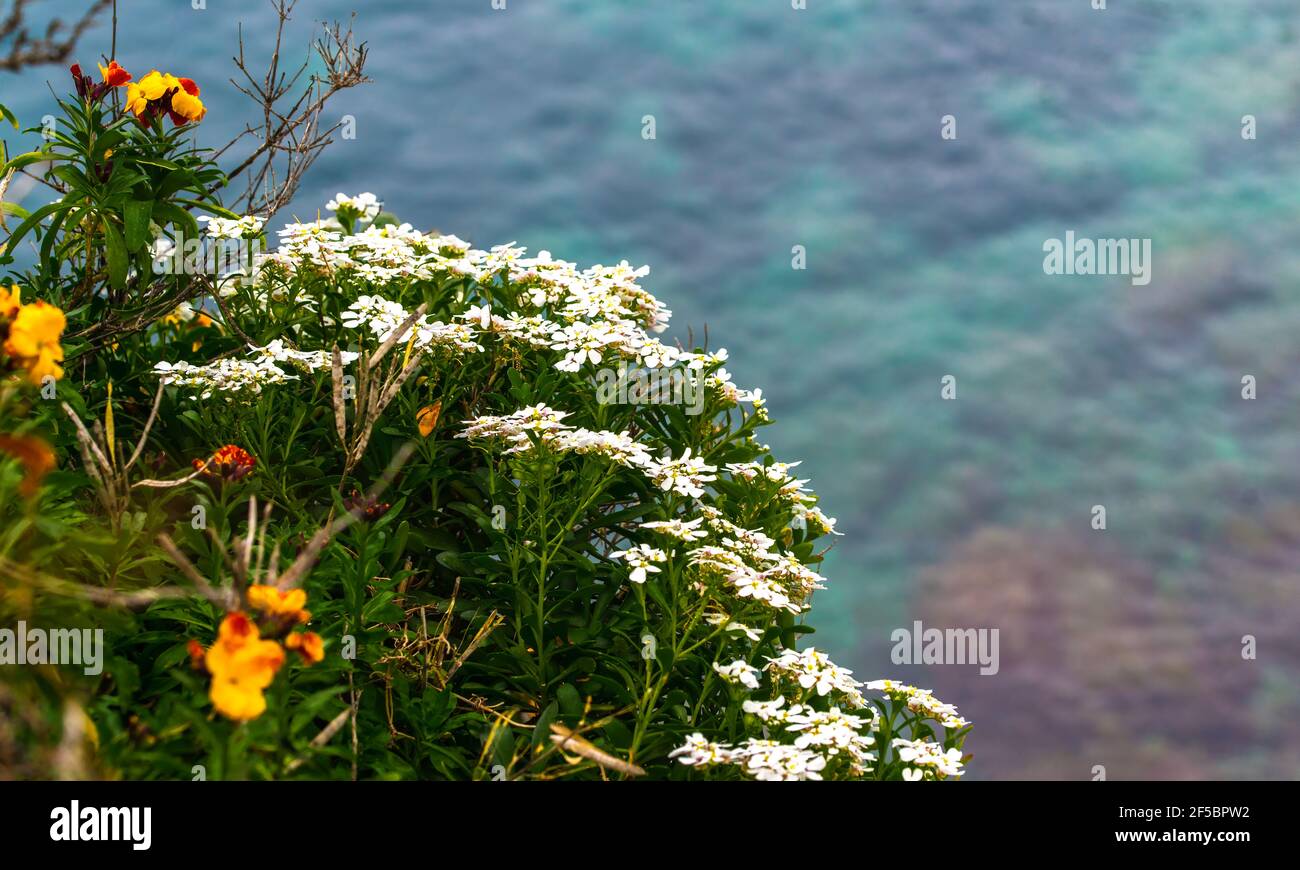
[777, 127]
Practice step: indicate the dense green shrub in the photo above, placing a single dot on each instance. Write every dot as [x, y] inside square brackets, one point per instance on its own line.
[379, 504]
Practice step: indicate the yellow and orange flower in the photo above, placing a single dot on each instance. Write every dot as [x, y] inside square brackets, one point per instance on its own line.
[243, 663]
[279, 602]
[10, 301]
[113, 75]
[33, 341]
[308, 645]
[163, 92]
[242, 666]
[35, 456]
[228, 463]
[186, 105]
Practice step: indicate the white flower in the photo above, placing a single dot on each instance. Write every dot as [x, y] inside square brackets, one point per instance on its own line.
[927, 758]
[640, 559]
[738, 672]
[235, 376]
[831, 730]
[811, 669]
[363, 206]
[770, 761]
[310, 360]
[768, 711]
[685, 475]
[584, 343]
[245, 227]
[920, 701]
[816, 521]
[698, 361]
[682, 530]
[697, 752]
[760, 586]
[514, 428]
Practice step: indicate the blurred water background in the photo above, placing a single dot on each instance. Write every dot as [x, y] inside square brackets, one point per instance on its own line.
[820, 128]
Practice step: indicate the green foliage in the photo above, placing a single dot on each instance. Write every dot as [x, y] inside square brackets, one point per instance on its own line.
[516, 574]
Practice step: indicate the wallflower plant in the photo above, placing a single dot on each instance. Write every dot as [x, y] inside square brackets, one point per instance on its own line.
[509, 577]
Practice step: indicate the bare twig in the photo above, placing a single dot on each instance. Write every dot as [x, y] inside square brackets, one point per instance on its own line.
[289, 132]
[55, 45]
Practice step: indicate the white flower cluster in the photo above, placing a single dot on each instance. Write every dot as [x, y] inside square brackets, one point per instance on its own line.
[588, 316]
[738, 672]
[810, 669]
[384, 318]
[363, 206]
[919, 701]
[815, 520]
[516, 427]
[747, 561]
[764, 760]
[801, 741]
[926, 759]
[683, 530]
[308, 360]
[238, 377]
[789, 487]
[640, 559]
[246, 227]
[685, 475]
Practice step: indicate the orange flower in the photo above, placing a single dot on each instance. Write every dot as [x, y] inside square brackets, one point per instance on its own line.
[36, 457]
[242, 665]
[228, 463]
[308, 644]
[113, 75]
[279, 602]
[427, 418]
[34, 340]
[195, 649]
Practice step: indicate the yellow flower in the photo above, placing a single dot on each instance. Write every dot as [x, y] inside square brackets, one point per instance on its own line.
[242, 665]
[277, 602]
[136, 102]
[10, 301]
[155, 84]
[188, 106]
[34, 340]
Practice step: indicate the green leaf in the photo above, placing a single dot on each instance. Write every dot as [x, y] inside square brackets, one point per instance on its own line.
[136, 217]
[32, 221]
[26, 159]
[118, 261]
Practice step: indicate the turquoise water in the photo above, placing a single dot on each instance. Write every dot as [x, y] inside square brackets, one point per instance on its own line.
[821, 128]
